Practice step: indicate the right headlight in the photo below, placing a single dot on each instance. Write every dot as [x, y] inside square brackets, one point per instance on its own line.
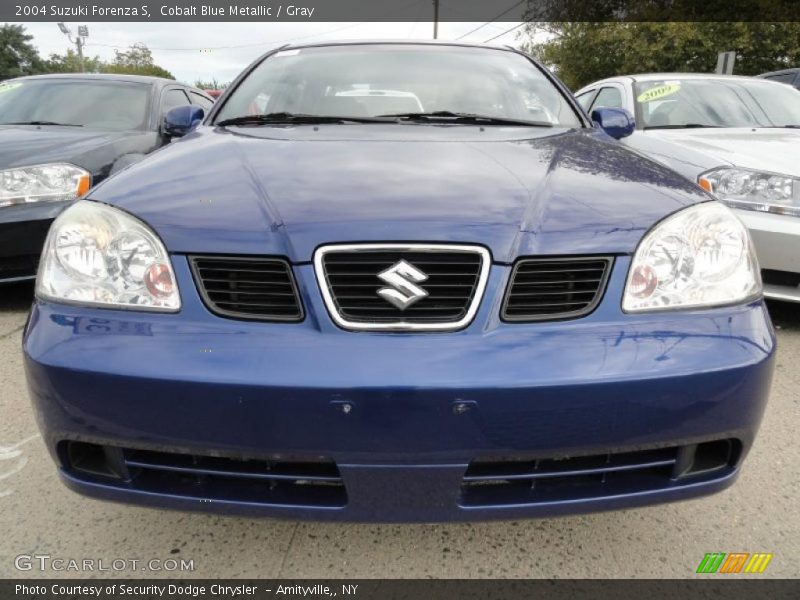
[43, 183]
[700, 256]
[754, 190]
[98, 255]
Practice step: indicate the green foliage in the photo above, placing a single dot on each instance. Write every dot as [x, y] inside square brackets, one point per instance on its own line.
[138, 60]
[583, 52]
[18, 56]
[70, 63]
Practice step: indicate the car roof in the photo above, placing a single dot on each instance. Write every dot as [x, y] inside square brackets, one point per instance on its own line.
[398, 42]
[780, 72]
[103, 77]
[661, 76]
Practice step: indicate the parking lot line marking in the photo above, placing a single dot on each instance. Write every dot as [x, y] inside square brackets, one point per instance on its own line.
[14, 452]
[8, 452]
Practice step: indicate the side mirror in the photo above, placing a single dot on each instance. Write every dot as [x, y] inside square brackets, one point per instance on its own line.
[182, 119]
[616, 122]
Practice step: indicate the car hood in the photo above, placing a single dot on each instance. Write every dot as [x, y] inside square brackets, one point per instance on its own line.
[773, 150]
[22, 145]
[287, 191]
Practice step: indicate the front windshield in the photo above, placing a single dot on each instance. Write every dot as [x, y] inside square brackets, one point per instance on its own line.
[678, 103]
[363, 81]
[108, 105]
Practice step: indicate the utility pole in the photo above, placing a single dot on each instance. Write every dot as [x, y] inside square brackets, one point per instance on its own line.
[79, 41]
[435, 19]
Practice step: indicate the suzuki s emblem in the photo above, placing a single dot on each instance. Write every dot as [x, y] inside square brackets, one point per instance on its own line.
[403, 278]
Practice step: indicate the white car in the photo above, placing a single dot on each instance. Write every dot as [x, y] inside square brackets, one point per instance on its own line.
[377, 101]
[737, 137]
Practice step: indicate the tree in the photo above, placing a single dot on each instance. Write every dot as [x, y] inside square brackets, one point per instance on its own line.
[582, 52]
[17, 55]
[138, 60]
[210, 85]
[70, 63]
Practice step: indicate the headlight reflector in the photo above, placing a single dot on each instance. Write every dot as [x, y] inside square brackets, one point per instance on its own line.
[43, 183]
[700, 256]
[753, 190]
[99, 255]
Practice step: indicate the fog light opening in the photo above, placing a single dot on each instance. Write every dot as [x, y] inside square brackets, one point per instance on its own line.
[93, 459]
[713, 456]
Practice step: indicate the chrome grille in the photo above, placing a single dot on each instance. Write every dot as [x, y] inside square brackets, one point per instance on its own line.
[247, 287]
[454, 281]
[555, 288]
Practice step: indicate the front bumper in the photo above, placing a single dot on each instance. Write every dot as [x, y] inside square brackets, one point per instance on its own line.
[23, 230]
[777, 240]
[401, 417]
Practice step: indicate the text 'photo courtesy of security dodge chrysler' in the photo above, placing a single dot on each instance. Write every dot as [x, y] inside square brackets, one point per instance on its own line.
[398, 282]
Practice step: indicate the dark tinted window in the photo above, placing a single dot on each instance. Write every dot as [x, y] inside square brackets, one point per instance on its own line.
[175, 97]
[200, 100]
[608, 97]
[380, 79]
[115, 106]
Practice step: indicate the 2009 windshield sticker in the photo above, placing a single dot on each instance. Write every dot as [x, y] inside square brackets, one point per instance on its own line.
[659, 92]
[7, 87]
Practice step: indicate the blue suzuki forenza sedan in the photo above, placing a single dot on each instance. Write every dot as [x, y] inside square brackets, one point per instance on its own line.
[398, 282]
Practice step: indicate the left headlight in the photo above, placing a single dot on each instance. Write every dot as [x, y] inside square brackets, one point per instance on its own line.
[701, 256]
[43, 183]
[101, 256]
[754, 190]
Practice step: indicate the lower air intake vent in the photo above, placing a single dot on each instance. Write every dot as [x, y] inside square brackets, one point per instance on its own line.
[248, 288]
[12, 267]
[555, 288]
[781, 278]
[524, 480]
[289, 481]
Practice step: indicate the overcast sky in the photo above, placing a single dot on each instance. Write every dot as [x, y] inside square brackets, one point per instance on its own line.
[176, 46]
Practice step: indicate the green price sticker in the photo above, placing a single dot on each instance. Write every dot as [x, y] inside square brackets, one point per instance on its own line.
[657, 93]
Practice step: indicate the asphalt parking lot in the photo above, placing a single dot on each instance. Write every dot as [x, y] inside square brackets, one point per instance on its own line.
[758, 514]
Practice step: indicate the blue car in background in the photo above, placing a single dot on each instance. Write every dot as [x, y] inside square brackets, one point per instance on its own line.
[398, 282]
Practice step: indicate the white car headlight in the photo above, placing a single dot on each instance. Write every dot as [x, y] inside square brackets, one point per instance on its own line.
[43, 183]
[700, 256]
[753, 190]
[101, 256]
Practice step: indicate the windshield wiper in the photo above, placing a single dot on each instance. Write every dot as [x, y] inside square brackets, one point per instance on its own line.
[287, 117]
[43, 123]
[447, 116]
[684, 126]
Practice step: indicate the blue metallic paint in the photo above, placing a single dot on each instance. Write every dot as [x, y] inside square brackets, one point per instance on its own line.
[182, 120]
[196, 382]
[616, 122]
[200, 383]
[286, 190]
